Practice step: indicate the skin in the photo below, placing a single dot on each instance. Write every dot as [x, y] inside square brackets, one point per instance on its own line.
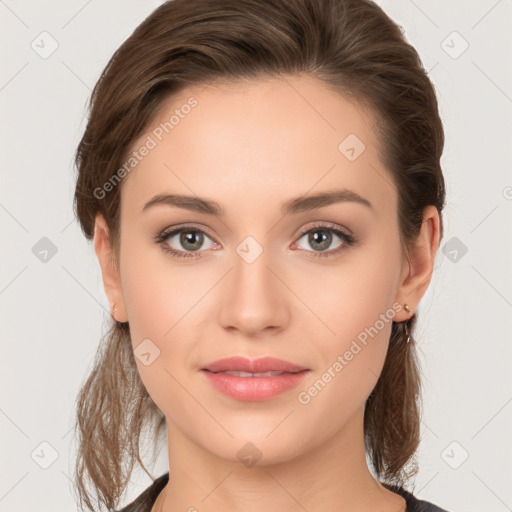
[251, 146]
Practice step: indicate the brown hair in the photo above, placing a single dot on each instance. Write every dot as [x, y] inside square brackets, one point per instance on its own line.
[350, 45]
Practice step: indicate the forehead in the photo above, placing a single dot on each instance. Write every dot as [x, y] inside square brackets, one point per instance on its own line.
[252, 143]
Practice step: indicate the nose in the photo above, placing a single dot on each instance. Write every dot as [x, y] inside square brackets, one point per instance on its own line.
[254, 298]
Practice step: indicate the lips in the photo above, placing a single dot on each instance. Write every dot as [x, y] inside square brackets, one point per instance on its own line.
[254, 379]
[244, 367]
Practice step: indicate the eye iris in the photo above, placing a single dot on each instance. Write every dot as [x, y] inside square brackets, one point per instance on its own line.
[323, 240]
[188, 237]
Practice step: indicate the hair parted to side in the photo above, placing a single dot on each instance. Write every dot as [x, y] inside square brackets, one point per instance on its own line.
[351, 46]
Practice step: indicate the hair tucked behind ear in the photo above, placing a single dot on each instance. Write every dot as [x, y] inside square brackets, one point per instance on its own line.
[351, 46]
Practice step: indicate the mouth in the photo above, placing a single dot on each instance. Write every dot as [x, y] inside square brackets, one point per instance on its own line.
[242, 374]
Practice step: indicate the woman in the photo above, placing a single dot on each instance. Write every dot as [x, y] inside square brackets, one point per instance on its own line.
[262, 182]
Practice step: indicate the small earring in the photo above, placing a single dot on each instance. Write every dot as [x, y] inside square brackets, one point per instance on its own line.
[114, 309]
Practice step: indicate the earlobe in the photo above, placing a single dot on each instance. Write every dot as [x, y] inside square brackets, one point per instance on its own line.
[420, 265]
[110, 274]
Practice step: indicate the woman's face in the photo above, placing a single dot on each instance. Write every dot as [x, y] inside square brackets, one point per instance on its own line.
[271, 276]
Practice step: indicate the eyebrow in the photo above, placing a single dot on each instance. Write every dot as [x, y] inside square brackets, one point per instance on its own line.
[292, 206]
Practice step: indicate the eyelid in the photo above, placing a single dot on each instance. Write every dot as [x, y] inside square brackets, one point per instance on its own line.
[325, 225]
[171, 230]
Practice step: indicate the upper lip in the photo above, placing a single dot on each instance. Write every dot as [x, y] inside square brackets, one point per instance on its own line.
[243, 364]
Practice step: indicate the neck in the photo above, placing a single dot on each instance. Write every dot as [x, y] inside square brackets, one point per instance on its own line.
[333, 475]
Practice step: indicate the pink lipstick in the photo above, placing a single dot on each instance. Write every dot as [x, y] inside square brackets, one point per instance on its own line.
[254, 379]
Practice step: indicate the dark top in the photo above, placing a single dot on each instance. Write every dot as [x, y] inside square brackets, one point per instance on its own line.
[147, 498]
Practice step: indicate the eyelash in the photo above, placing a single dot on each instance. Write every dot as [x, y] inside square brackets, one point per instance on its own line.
[162, 237]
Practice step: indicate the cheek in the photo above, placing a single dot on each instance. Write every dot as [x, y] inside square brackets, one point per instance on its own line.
[163, 306]
[354, 303]
[351, 295]
[350, 360]
[157, 292]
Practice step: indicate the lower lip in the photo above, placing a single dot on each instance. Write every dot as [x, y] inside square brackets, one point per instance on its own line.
[254, 388]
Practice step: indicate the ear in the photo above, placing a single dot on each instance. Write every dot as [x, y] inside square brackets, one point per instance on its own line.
[110, 274]
[417, 270]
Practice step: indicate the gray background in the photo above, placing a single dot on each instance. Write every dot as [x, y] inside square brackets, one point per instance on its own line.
[53, 307]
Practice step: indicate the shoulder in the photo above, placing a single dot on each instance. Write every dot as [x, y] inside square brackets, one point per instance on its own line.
[147, 498]
[413, 503]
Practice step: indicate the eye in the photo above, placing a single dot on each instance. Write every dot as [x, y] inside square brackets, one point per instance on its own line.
[320, 237]
[189, 238]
